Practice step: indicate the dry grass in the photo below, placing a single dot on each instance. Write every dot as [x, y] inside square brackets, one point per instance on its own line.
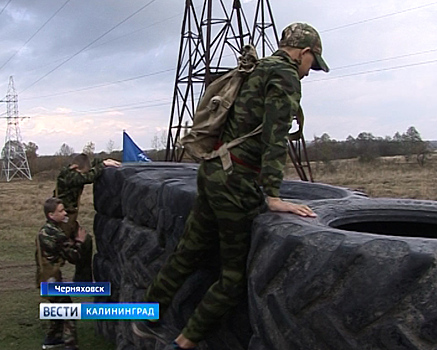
[21, 216]
[390, 177]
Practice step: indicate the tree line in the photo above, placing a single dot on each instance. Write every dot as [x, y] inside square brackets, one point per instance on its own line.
[367, 147]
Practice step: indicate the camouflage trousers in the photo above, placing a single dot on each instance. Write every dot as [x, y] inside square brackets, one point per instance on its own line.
[63, 329]
[83, 269]
[221, 219]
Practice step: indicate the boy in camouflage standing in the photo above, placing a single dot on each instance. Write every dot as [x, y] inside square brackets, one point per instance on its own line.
[227, 204]
[53, 249]
[69, 187]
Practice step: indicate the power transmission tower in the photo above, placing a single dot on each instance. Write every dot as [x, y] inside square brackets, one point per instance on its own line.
[209, 47]
[14, 159]
[262, 25]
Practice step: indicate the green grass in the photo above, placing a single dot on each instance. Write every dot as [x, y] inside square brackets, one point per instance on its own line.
[21, 328]
[20, 219]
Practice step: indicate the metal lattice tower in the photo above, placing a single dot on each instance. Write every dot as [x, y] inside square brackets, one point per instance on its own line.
[262, 26]
[14, 159]
[210, 44]
[209, 47]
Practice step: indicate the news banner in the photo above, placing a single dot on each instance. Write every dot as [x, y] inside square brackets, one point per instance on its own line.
[91, 311]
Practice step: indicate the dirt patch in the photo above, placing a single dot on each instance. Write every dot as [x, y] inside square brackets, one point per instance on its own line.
[17, 277]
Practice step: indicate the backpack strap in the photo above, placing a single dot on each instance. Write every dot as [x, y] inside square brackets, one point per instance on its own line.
[223, 150]
[225, 155]
[300, 120]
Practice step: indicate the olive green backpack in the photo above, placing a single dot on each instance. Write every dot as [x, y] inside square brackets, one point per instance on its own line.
[212, 112]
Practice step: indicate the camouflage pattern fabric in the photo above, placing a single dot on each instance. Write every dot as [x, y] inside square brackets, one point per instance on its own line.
[55, 248]
[302, 35]
[62, 329]
[221, 219]
[271, 95]
[70, 183]
[83, 270]
[69, 188]
[226, 204]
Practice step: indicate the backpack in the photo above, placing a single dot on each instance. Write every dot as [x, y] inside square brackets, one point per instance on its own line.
[212, 112]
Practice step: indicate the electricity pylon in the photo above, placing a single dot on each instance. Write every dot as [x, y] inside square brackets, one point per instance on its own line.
[14, 159]
[210, 45]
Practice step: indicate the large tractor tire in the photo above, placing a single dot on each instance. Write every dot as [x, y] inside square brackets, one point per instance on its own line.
[362, 275]
[304, 190]
[108, 187]
[141, 213]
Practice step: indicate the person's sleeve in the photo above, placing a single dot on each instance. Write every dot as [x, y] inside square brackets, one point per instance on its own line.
[281, 104]
[48, 246]
[71, 250]
[57, 246]
[76, 179]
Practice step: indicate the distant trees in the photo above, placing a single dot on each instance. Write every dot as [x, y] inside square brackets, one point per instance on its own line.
[31, 149]
[110, 146]
[89, 149]
[366, 147]
[65, 151]
[160, 142]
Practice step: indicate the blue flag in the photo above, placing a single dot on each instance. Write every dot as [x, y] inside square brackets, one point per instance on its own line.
[131, 152]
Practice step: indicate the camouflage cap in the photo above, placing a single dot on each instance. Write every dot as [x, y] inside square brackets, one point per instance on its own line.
[301, 35]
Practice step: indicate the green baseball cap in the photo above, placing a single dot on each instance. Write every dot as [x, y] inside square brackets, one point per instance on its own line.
[302, 35]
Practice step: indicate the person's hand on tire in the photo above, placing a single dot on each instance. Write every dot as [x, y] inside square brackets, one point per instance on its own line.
[277, 204]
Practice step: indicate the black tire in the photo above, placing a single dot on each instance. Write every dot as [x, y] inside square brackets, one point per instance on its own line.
[108, 187]
[141, 255]
[107, 190]
[362, 275]
[105, 270]
[141, 194]
[106, 233]
[314, 191]
[176, 200]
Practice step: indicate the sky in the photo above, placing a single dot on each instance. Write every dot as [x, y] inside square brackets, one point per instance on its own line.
[85, 70]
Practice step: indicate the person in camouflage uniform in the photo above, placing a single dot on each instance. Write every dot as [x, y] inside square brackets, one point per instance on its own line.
[226, 204]
[69, 187]
[53, 249]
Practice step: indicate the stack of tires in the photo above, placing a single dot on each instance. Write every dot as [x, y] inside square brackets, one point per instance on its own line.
[359, 276]
[362, 275]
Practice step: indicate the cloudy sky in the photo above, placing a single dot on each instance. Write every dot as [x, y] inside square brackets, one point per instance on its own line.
[85, 70]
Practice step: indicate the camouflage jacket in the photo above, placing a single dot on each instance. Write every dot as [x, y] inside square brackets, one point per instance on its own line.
[55, 248]
[271, 95]
[70, 183]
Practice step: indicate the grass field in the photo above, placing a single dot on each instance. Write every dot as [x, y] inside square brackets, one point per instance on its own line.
[21, 216]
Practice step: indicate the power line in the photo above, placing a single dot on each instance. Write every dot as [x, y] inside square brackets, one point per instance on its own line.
[101, 85]
[378, 17]
[374, 71]
[28, 40]
[94, 41]
[173, 69]
[383, 59]
[330, 78]
[5, 6]
[136, 106]
[141, 29]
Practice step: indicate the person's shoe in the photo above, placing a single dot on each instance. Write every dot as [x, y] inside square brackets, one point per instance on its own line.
[149, 329]
[52, 343]
[177, 347]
